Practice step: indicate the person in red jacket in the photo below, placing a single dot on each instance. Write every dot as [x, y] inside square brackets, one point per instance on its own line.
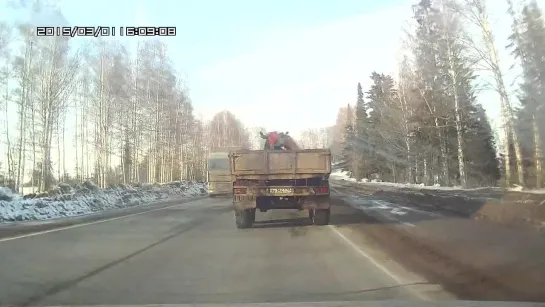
[272, 140]
[279, 141]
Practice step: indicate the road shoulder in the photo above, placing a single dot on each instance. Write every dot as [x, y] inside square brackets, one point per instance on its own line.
[471, 259]
[17, 229]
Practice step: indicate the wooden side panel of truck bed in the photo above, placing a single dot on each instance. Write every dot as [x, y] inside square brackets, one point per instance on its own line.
[280, 164]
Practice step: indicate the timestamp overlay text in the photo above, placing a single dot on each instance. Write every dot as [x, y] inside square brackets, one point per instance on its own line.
[99, 31]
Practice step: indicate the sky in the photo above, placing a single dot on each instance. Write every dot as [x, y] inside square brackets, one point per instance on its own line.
[279, 64]
[284, 65]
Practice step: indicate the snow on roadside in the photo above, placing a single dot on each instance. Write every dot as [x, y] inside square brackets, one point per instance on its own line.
[518, 188]
[342, 175]
[88, 198]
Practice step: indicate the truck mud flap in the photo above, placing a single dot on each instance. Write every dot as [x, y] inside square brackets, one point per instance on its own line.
[319, 217]
[244, 218]
[316, 202]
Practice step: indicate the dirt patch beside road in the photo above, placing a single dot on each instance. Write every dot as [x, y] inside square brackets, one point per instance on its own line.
[509, 208]
[474, 260]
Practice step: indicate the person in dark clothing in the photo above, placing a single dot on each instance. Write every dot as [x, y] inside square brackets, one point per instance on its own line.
[278, 141]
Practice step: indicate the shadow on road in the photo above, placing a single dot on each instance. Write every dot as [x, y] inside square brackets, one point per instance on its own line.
[282, 223]
[340, 215]
[349, 295]
[339, 219]
[510, 208]
[447, 203]
[345, 213]
[471, 259]
[391, 206]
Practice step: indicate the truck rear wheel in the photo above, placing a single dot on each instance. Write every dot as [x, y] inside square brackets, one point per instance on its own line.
[244, 218]
[320, 216]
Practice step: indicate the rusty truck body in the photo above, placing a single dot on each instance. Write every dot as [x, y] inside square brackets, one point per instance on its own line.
[280, 179]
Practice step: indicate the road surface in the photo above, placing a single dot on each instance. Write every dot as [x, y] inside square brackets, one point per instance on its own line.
[475, 259]
[193, 253]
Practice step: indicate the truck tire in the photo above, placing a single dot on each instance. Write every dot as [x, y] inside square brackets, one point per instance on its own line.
[321, 217]
[244, 218]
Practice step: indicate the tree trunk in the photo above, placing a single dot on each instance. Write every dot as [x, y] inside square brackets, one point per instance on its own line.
[507, 112]
[538, 154]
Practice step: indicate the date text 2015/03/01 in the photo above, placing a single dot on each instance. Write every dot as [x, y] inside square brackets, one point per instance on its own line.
[92, 31]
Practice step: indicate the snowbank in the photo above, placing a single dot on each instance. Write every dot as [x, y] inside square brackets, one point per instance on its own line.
[341, 175]
[67, 201]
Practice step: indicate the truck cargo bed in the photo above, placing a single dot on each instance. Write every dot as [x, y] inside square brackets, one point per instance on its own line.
[285, 164]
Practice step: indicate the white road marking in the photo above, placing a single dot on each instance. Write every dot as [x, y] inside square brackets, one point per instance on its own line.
[383, 205]
[385, 216]
[379, 266]
[88, 223]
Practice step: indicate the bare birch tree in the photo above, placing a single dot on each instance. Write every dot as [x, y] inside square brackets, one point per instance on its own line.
[485, 49]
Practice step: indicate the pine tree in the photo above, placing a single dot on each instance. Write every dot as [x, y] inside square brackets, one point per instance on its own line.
[482, 160]
[348, 147]
[529, 47]
[429, 117]
[360, 135]
[380, 98]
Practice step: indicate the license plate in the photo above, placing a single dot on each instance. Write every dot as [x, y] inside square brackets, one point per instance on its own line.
[280, 190]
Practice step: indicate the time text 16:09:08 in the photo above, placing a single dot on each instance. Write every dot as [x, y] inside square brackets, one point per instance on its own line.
[105, 31]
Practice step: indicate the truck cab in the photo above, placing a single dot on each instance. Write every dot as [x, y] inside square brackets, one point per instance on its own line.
[219, 174]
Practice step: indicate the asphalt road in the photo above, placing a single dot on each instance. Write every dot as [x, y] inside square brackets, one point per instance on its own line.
[193, 253]
[475, 259]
